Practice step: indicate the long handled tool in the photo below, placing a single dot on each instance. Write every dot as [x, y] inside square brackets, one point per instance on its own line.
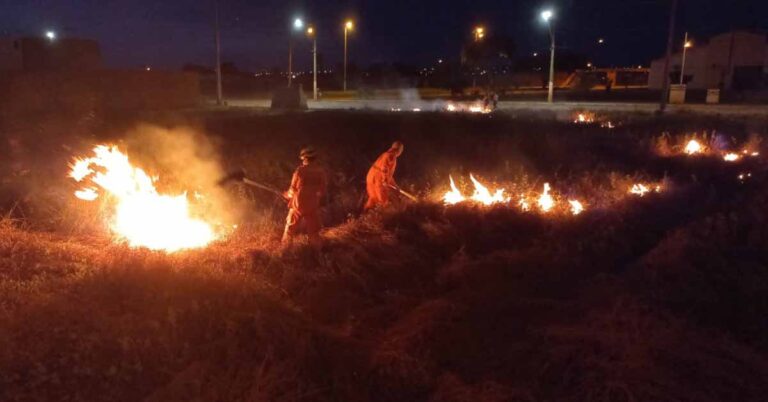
[240, 176]
[405, 193]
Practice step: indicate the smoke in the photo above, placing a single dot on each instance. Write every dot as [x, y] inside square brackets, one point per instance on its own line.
[184, 160]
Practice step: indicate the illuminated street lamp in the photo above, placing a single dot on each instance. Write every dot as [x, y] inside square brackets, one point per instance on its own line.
[547, 16]
[217, 33]
[312, 34]
[686, 45]
[479, 33]
[50, 35]
[298, 25]
[348, 26]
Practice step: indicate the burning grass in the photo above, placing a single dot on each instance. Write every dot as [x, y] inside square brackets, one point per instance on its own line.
[659, 275]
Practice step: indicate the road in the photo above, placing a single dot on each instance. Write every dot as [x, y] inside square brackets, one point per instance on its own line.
[558, 107]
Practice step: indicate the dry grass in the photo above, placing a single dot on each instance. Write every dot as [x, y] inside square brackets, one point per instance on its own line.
[659, 298]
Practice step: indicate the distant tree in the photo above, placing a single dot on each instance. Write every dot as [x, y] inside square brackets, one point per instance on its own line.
[490, 51]
[196, 68]
[229, 68]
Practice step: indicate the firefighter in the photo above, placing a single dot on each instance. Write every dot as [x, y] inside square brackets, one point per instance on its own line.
[380, 182]
[308, 187]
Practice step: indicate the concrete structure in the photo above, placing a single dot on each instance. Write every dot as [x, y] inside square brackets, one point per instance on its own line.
[733, 61]
[42, 54]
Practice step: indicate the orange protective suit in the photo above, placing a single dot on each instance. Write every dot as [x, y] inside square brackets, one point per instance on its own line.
[381, 176]
[308, 187]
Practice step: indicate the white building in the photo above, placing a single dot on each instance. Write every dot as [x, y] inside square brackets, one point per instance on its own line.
[736, 60]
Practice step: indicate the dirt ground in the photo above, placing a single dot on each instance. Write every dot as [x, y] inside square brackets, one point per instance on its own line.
[661, 297]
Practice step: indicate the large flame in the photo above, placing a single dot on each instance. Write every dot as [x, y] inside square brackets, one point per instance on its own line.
[141, 216]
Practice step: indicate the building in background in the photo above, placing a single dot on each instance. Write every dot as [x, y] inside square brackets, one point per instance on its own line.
[736, 60]
[43, 54]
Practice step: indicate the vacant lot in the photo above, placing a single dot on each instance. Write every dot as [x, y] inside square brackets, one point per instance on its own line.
[662, 297]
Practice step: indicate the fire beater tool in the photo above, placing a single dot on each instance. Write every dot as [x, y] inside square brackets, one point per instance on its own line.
[405, 193]
[240, 176]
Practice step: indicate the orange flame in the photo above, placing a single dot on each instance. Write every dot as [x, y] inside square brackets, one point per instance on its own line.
[576, 207]
[546, 202]
[693, 147]
[454, 196]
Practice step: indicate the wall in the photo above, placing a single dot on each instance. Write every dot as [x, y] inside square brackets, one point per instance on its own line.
[712, 64]
[10, 55]
[85, 92]
[67, 54]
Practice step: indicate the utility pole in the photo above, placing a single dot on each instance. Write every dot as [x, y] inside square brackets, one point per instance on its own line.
[345, 60]
[670, 44]
[314, 67]
[290, 60]
[551, 92]
[686, 45]
[219, 94]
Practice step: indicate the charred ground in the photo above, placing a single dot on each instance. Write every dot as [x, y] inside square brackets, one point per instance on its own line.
[656, 298]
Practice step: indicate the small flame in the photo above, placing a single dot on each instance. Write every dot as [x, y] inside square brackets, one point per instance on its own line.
[524, 204]
[640, 189]
[454, 196]
[483, 196]
[693, 147]
[731, 157]
[584, 118]
[546, 202]
[576, 207]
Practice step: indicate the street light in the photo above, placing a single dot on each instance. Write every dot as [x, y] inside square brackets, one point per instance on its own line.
[348, 26]
[479, 33]
[686, 45]
[547, 16]
[311, 33]
[50, 35]
[298, 25]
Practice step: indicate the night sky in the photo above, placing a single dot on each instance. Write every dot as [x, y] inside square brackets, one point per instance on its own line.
[168, 34]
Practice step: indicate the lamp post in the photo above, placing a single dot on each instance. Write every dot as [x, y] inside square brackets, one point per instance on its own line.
[670, 43]
[219, 91]
[686, 45]
[311, 33]
[298, 25]
[479, 33]
[547, 15]
[348, 26]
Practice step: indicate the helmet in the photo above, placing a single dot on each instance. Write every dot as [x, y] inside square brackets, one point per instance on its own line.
[307, 153]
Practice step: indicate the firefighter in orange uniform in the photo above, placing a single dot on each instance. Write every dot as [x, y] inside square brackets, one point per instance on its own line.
[308, 187]
[380, 182]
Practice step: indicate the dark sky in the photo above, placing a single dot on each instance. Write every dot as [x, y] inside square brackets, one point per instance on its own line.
[169, 33]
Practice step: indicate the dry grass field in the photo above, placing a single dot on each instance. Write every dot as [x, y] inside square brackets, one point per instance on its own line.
[662, 297]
